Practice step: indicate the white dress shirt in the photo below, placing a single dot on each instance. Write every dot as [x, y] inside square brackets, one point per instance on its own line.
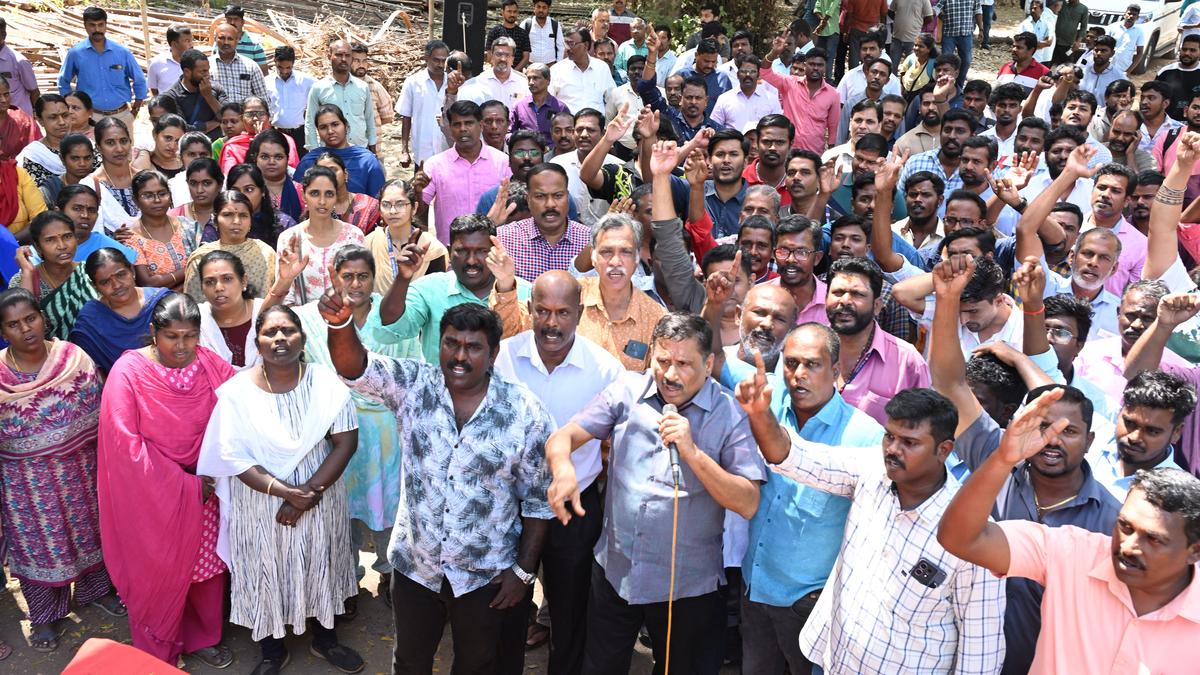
[421, 101]
[578, 89]
[854, 83]
[734, 109]
[546, 44]
[289, 98]
[585, 372]
[163, 72]
[487, 87]
[1128, 40]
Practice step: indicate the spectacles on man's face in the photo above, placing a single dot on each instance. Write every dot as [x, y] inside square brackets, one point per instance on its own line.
[782, 253]
[956, 223]
[527, 154]
[1059, 336]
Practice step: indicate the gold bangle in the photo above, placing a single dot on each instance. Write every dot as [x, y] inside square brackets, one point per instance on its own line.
[271, 485]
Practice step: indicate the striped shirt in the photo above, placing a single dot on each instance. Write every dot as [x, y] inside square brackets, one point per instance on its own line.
[874, 616]
[533, 255]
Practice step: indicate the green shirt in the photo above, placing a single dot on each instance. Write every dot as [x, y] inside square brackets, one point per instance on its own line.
[830, 9]
[428, 299]
[1072, 23]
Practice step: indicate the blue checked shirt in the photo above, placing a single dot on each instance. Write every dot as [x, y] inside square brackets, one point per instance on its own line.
[112, 78]
[958, 16]
[874, 616]
[928, 161]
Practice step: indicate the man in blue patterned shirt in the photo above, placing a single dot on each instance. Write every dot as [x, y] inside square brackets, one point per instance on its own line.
[473, 516]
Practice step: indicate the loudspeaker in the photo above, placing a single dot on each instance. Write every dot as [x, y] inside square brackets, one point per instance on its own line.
[464, 26]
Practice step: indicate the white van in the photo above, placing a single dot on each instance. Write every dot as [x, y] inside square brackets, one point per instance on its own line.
[1160, 21]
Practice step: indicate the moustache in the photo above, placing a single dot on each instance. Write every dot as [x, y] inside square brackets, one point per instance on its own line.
[672, 384]
[551, 212]
[1129, 561]
[895, 461]
[551, 333]
[459, 364]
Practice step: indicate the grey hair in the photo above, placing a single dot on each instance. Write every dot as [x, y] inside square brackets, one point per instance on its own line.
[1151, 288]
[766, 190]
[596, 12]
[504, 41]
[541, 68]
[616, 221]
[1103, 233]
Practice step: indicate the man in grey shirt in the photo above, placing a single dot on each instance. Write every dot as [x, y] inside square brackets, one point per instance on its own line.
[721, 469]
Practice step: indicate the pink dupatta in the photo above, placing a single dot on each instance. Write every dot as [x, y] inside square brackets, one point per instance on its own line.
[151, 513]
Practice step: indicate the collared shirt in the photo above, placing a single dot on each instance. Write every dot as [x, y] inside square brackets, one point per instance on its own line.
[421, 101]
[1089, 624]
[1128, 41]
[624, 339]
[528, 115]
[546, 42]
[1098, 82]
[918, 140]
[958, 16]
[163, 72]
[892, 366]
[241, 78]
[1041, 29]
[382, 100]
[428, 299]
[21, 80]
[628, 49]
[249, 47]
[487, 87]
[465, 491]
[1011, 333]
[1006, 146]
[1106, 462]
[289, 98]
[590, 210]
[517, 34]
[1027, 77]
[874, 616]
[653, 97]
[111, 77]
[1133, 254]
[533, 255]
[797, 531]
[665, 66]
[586, 371]
[635, 543]
[902, 229]
[928, 161]
[458, 183]
[815, 309]
[725, 213]
[750, 175]
[715, 82]
[1102, 363]
[1168, 124]
[820, 110]
[579, 89]
[193, 108]
[354, 98]
[735, 109]
[1104, 305]
[853, 85]
[1092, 508]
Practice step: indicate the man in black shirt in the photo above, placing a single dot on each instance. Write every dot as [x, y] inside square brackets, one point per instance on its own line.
[508, 27]
[199, 100]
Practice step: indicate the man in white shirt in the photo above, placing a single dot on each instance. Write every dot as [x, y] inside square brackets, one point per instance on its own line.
[854, 82]
[501, 83]
[1189, 21]
[164, 71]
[420, 106]
[289, 89]
[1131, 41]
[1037, 24]
[565, 371]
[545, 35]
[748, 103]
[580, 81]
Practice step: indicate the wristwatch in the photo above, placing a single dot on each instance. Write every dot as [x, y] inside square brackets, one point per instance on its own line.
[525, 577]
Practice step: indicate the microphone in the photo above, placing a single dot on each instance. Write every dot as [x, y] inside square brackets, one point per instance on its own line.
[675, 473]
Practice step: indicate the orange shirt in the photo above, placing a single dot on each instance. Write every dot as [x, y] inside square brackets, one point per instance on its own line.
[1088, 621]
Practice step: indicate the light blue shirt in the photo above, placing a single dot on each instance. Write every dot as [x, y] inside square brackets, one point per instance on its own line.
[111, 78]
[797, 532]
[1106, 468]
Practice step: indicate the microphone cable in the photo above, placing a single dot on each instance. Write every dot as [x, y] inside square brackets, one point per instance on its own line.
[671, 588]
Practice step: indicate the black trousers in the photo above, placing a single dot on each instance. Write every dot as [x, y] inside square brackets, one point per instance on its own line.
[274, 649]
[297, 135]
[567, 561]
[421, 616]
[771, 636]
[698, 631]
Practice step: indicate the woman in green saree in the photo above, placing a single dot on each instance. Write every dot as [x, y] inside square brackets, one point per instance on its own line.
[58, 282]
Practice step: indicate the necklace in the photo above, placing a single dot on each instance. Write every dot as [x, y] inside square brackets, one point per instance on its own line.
[12, 360]
[54, 283]
[267, 380]
[1050, 507]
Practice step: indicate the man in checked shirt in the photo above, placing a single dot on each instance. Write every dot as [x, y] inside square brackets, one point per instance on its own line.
[896, 601]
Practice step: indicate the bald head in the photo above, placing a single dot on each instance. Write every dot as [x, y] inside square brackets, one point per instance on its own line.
[227, 37]
[767, 314]
[559, 286]
[555, 309]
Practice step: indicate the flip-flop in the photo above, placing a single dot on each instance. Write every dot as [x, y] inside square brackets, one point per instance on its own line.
[119, 610]
[45, 645]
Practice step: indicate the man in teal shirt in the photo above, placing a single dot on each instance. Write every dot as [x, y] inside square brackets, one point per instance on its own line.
[415, 308]
[797, 531]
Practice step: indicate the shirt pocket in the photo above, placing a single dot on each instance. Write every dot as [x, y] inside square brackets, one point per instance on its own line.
[812, 501]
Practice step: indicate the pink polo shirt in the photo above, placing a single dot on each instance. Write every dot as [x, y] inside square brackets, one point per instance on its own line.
[892, 366]
[458, 184]
[1088, 621]
[816, 116]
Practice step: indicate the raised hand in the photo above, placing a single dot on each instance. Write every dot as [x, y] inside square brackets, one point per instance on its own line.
[664, 158]
[887, 175]
[409, 259]
[777, 46]
[291, 263]
[696, 168]
[718, 287]
[647, 124]
[944, 88]
[502, 266]
[501, 209]
[619, 125]
[334, 305]
[1023, 169]
[754, 393]
[25, 260]
[623, 205]
[1187, 149]
[455, 80]
[951, 275]
[1077, 163]
[1005, 189]
[1176, 308]
[1030, 279]
[420, 181]
[830, 177]
[1031, 430]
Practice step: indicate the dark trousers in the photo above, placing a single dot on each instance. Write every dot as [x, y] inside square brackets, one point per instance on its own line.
[421, 616]
[731, 595]
[770, 636]
[297, 135]
[567, 560]
[698, 630]
[274, 649]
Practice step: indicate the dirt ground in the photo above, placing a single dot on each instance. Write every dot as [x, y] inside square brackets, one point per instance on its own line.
[371, 632]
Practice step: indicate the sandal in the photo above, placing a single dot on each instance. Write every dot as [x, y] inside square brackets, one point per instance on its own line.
[536, 636]
[385, 590]
[5, 651]
[111, 605]
[44, 638]
[339, 656]
[217, 656]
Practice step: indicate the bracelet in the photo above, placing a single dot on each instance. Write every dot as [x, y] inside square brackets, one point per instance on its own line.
[341, 325]
[1040, 311]
[271, 485]
[1169, 196]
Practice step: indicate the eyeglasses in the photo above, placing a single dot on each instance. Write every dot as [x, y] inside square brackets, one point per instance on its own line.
[782, 253]
[254, 114]
[1059, 336]
[526, 154]
[157, 196]
[953, 222]
[393, 206]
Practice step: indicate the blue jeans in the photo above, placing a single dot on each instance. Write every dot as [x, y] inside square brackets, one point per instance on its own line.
[830, 44]
[963, 45]
[899, 50]
[989, 13]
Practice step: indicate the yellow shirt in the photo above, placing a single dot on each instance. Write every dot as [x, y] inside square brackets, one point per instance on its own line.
[30, 200]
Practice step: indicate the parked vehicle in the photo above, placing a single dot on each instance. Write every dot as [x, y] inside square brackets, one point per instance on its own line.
[1160, 20]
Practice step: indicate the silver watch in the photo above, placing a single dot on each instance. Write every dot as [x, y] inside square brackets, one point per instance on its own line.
[525, 577]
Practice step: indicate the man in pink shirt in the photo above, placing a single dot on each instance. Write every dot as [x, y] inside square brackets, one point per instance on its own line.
[812, 105]
[458, 176]
[1113, 184]
[1126, 603]
[873, 365]
[797, 252]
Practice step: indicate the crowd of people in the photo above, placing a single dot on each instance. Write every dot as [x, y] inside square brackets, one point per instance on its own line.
[820, 358]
